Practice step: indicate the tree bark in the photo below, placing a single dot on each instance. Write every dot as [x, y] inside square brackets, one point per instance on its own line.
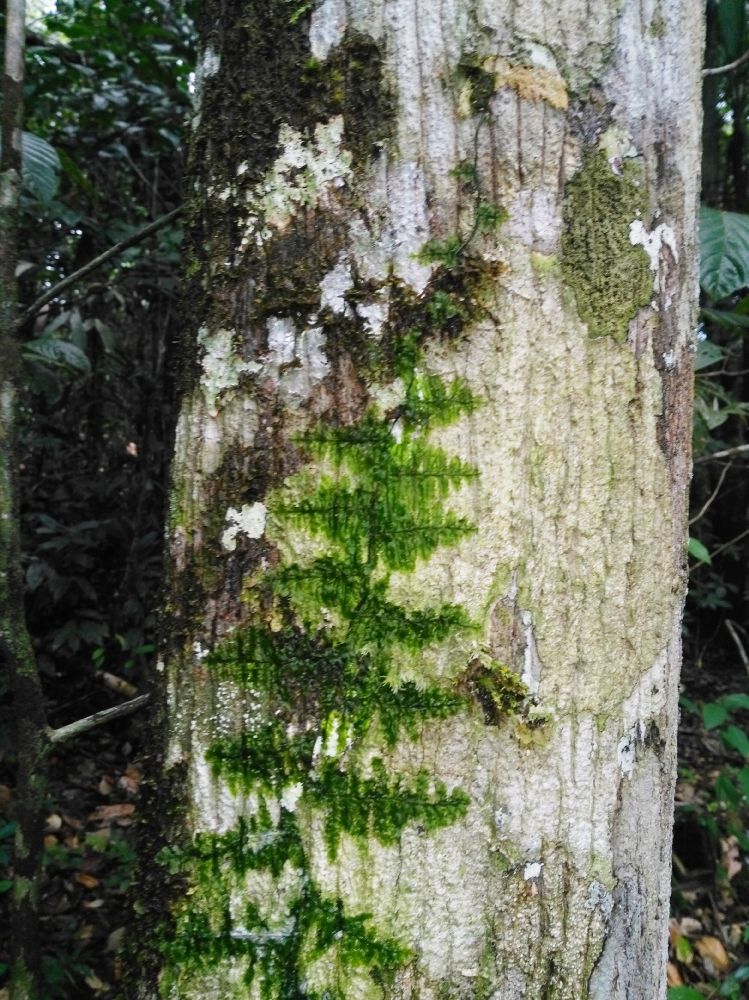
[429, 494]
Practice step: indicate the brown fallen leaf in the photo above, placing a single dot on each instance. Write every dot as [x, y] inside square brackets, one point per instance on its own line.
[86, 880]
[130, 780]
[673, 976]
[118, 684]
[53, 823]
[72, 821]
[95, 983]
[712, 950]
[50, 840]
[105, 786]
[729, 856]
[114, 941]
[689, 926]
[5, 796]
[107, 814]
[93, 904]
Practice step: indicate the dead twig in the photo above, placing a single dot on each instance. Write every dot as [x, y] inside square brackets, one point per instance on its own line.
[97, 719]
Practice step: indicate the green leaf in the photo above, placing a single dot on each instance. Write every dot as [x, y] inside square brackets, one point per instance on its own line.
[55, 352]
[40, 166]
[726, 791]
[743, 779]
[734, 701]
[5, 885]
[708, 354]
[713, 714]
[697, 551]
[683, 993]
[732, 21]
[728, 318]
[724, 252]
[735, 738]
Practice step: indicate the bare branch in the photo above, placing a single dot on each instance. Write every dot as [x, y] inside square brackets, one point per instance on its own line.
[728, 68]
[97, 719]
[739, 644]
[712, 496]
[76, 276]
[726, 453]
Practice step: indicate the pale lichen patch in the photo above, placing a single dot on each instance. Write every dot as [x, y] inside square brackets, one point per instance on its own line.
[653, 243]
[222, 365]
[333, 288]
[248, 520]
[304, 175]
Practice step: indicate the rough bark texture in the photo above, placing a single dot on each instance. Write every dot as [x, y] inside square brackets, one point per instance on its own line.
[427, 532]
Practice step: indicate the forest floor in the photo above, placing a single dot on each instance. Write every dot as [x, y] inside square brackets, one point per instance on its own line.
[708, 947]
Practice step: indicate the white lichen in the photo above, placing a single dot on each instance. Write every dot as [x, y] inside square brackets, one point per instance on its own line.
[653, 243]
[296, 360]
[249, 520]
[222, 365]
[304, 175]
[334, 286]
[290, 795]
[327, 25]
[532, 870]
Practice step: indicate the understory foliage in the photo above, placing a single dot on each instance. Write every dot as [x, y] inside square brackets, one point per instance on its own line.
[709, 931]
[106, 98]
[107, 90]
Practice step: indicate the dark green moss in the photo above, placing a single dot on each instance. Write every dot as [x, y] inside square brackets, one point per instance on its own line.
[483, 83]
[267, 77]
[610, 277]
[351, 82]
[497, 688]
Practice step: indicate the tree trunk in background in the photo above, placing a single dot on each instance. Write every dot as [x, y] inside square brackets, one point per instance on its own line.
[428, 511]
[17, 660]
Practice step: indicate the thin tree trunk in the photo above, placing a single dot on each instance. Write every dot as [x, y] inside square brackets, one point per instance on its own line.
[15, 646]
[428, 512]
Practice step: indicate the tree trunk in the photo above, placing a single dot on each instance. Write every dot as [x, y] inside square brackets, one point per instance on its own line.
[17, 659]
[428, 513]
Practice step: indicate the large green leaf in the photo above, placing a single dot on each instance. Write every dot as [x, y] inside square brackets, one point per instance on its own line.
[59, 353]
[40, 166]
[724, 252]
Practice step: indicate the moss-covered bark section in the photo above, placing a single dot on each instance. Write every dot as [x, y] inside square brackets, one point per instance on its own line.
[610, 277]
[259, 67]
[317, 672]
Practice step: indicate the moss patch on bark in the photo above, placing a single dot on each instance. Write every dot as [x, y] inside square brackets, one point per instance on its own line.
[611, 278]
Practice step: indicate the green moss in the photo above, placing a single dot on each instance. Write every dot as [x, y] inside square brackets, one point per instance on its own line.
[350, 82]
[496, 687]
[320, 679]
[657, 27]
[610, 277]
[483, 84]
[544, 264]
